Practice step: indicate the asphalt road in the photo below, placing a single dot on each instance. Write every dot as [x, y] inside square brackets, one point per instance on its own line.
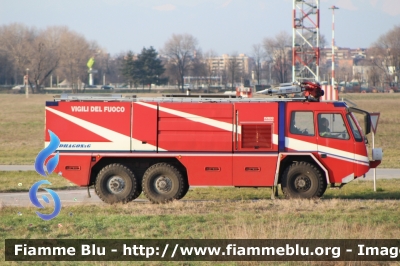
[80, 196]
[67, 197]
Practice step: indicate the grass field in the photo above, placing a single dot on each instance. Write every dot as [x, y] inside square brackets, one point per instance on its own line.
[247, 219]
[22, 125]
[388, 132]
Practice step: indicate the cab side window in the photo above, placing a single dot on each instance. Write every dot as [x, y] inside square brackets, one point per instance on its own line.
[332, 126]
[302, 123]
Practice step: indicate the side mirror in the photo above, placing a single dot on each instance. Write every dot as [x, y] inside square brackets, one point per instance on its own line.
[367, 119]
[367, 124]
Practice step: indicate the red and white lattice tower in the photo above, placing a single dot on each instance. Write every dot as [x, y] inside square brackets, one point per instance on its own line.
[305, 48]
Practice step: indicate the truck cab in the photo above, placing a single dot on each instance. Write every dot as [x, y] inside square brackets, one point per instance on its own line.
[330, 132]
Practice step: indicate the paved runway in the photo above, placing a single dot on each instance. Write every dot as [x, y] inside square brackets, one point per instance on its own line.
[80, 196]
[67, 197]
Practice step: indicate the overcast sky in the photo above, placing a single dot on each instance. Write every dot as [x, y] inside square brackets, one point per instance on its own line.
[225, 26]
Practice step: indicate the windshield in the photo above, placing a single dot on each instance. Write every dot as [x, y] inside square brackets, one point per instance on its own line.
[355, 126]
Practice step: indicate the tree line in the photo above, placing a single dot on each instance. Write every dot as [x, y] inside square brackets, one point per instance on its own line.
[49, 56]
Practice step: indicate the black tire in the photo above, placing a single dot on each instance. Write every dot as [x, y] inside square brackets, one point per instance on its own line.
[116, 183]
[303, 180]
[323, 189]
[162, 183]
[185, 190]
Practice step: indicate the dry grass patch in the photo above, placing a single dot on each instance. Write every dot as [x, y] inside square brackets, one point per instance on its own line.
[248, 219]
[261, 219]
[21, 127]
[15, 181]
[388, 133]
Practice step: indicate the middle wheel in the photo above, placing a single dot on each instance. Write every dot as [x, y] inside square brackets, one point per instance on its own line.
[162, 182]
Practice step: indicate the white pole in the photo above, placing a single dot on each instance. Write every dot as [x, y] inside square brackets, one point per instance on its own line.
[333, 44]
[90, 77]
[333, 47]
[293, 44]
[373, 146]
[27, 84]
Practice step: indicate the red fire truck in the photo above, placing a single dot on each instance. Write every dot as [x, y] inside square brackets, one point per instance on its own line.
[161, 146]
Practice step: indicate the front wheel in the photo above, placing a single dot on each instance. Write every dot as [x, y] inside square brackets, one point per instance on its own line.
[303, 180]
[162, 182]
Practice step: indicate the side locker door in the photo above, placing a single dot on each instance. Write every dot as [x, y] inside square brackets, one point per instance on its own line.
[255, 144]
[144, 126]
[200, 134]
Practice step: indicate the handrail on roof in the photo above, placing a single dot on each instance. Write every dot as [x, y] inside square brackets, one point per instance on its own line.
[169, 98]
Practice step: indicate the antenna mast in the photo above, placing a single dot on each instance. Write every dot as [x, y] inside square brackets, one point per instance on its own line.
[305, 48]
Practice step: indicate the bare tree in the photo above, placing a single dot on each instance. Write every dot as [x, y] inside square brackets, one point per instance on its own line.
[172, 72]
[373, 75]
[75, 51]
[198, 69]
[278, 50]
[180, 50]
[6, 69]
[16, 42]
[210, 72]
[46, 55]
[233, 68]
[385, 54]
[117, 65]
[55, 50]
[258, 56]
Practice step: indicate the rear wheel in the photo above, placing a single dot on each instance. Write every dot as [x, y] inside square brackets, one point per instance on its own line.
[116, 183]
[303, 180]
[162, 183]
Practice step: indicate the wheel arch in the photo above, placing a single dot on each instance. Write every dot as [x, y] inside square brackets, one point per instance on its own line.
[289, 158]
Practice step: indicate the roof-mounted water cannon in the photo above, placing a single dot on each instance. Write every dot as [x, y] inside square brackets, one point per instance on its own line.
[312, 91]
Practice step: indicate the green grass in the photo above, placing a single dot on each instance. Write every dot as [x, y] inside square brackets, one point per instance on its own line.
[21, 127]
[211, 213]
[16, 181]
[387, 135]
[261, 219]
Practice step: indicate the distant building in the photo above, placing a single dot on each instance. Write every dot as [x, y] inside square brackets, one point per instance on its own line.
[346, 54]
[346, 62]
[361, 70]
[220, 64]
